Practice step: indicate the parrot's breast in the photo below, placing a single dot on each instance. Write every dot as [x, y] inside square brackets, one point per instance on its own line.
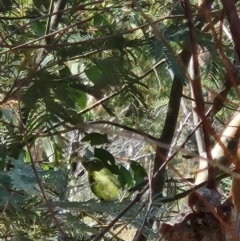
[104, 184]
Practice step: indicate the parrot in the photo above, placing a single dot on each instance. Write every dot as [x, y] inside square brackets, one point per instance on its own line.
[103, 183]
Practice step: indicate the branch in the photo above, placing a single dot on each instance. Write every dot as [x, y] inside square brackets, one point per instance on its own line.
[234, 22]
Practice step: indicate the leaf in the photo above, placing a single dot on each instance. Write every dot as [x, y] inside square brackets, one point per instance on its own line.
[125, 177]
[117, 42]
[57, 181]
[49, 149]
[23, 178]
[138, 171]
[94, 74]
[56, 108]
[81, 99]
[95, 138]
[6, 5]
[5, 179]
[107, 157]
[39, 28]
[15, 199]
[156, 49]
[175, 67]
[27, 157]
[78, 227]
[104, 154]
[99, 20]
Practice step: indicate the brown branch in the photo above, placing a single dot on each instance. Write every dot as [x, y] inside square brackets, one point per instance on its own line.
[234, 22]
[198, 95]
[173, 108]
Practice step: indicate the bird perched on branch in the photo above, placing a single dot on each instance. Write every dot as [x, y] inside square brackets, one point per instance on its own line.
[103, 183]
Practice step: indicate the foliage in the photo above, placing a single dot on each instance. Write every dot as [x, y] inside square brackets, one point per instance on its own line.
[60, 75]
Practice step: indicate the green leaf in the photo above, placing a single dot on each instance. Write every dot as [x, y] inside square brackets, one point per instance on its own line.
[79, 227]
[8, 197]
[138, 172]
[6, 5]
[39, 28]
[107, 157]
[23, 179]
[27, 157]
[5, 179]
[45, 167]
[94, 74]
[95, 138]
[117, 42]
[99, 20]
[62, 112]
[57, 181]
[48, 146]
[104, 155]
[81, 99]
[176, 67]
[125, 177]
[156, 49]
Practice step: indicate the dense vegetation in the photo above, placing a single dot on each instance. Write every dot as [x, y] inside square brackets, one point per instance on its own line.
[112, 81]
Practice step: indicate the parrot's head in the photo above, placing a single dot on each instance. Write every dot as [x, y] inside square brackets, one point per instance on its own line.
[92, 164]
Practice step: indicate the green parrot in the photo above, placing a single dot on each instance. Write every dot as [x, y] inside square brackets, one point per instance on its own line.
[103, 183]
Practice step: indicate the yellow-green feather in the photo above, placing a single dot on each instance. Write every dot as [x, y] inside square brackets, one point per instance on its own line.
[103, 183]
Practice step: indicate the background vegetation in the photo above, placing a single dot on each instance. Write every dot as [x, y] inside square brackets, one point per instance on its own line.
[109, 79]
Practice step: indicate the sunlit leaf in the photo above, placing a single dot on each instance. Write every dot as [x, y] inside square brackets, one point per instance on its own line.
[49, 149]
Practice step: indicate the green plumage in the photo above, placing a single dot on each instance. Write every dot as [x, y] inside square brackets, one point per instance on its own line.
[103, 183]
